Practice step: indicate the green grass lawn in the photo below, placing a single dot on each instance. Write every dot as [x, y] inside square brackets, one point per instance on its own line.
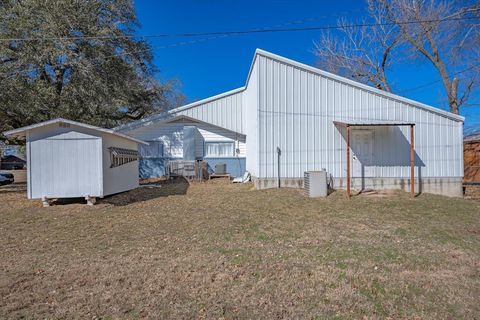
[218, 250]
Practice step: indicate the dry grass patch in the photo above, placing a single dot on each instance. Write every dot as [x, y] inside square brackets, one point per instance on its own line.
[218, 250]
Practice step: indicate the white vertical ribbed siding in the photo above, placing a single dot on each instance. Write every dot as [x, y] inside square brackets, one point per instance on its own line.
[64, 162]
[296, 111]
[225, 112]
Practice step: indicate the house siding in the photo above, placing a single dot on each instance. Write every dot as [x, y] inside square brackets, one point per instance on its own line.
[171, 134]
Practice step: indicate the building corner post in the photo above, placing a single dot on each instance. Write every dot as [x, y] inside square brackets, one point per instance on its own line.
[412, 161]
[348, 161]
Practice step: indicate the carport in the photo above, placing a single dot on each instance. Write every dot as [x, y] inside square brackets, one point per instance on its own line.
[353, 124]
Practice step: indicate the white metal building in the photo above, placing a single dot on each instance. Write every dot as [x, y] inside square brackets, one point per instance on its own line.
[68, 159]
[294, 108]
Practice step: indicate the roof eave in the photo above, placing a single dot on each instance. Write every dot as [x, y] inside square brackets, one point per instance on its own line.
[21, 132]
[184, 117]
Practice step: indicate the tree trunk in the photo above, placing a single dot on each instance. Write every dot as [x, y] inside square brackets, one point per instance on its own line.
[453, 100]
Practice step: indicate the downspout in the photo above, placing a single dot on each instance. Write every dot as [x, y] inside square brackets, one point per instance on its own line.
[279, 153]
[237, 153]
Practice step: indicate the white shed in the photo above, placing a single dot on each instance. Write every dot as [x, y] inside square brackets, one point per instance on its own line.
[68, 159]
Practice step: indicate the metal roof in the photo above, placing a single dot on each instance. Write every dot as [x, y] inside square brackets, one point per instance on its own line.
[371, 123]
[21, 132]
[171, 118]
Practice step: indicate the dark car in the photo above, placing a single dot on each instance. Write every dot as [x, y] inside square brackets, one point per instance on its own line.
[6, 178]
[12, 163]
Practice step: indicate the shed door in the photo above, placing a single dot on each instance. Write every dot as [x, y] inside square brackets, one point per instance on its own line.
[362, 153]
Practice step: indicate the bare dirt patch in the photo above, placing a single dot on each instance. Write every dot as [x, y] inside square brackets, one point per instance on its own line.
[218, 250]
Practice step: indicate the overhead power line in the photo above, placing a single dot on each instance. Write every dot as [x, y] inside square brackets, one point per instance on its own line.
[239, 32]
[428, 84]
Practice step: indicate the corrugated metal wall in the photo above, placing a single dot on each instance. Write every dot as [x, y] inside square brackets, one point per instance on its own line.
[225, 112]
[296, 111]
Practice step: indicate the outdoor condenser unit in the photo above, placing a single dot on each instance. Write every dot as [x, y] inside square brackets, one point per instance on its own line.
[221, 168]
[315, 184]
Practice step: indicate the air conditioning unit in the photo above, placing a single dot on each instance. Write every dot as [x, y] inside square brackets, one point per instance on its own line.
[221, 168]
[315, 184]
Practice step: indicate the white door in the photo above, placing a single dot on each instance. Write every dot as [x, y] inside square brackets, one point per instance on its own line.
[362, 153]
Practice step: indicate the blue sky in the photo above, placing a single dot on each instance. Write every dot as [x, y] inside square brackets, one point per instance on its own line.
[213, 66]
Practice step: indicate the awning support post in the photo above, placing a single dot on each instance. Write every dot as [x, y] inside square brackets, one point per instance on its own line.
[412, 161]
[348, 161]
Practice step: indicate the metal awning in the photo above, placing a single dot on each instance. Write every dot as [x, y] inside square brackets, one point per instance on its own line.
[371, 123]
[379, 123]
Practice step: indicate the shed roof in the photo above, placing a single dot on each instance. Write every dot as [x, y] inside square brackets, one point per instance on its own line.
[472, 138]
[21, 132]
[185, 118]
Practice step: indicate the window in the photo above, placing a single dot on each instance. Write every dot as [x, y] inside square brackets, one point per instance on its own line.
[154, 149]
[121, 156]
[219, 149]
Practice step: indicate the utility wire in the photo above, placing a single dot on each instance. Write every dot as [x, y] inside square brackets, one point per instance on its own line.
[177, 44]
[274, 28]
[239, 32]
[428, 84]
[267, 29]
[260, 30]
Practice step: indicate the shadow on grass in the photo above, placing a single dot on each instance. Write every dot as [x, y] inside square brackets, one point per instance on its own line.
[164, 188]
[12, 188]
[174, 186]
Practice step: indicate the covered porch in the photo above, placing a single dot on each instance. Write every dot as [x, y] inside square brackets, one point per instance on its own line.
[364, 147]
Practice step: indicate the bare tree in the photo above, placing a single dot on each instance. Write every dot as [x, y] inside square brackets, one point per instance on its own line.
[363, 54]
[444, 34]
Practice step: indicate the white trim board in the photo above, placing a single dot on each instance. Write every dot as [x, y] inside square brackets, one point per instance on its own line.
[21, 132]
